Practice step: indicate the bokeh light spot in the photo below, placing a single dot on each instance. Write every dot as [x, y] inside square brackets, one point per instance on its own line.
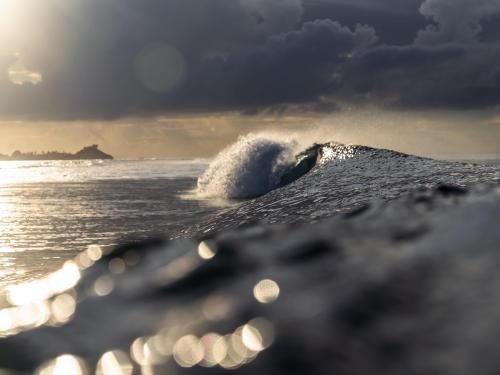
[114, 362]
[103, 286]
[215, 349]
[266, 291]
[205, 251]
[117, 266]
[63, 365]
[63, 307]
[188, 351]
[94, 252]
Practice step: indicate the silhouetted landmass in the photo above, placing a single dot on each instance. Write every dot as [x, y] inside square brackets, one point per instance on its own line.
[86, 153]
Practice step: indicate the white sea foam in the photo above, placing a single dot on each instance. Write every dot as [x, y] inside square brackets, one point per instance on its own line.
[250, 167]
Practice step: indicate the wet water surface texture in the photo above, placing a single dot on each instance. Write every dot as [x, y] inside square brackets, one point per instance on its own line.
[50, 211]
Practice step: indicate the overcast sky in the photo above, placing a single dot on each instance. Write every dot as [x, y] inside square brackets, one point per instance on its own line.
[82, 65]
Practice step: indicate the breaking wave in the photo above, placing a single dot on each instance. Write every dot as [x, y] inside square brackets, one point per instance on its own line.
[257, 164]
[251, 167]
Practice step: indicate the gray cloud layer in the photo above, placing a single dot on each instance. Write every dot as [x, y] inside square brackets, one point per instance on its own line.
[250, 55]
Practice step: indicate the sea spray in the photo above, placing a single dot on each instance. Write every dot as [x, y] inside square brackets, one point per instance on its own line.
[259, 163]
[250, 167]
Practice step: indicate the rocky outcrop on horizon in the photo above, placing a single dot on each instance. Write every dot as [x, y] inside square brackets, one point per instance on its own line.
[87, 153]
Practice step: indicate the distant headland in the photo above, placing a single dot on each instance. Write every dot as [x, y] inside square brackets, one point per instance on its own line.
[87, 153]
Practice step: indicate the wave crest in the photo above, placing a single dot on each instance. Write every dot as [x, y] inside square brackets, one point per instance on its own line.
[251, 167]
[257, 164]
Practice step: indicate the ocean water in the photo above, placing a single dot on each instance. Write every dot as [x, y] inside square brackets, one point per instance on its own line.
[377, 217]
[345, 178]
[52, 210]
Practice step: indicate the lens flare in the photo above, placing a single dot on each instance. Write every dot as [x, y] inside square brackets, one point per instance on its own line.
[160, 67]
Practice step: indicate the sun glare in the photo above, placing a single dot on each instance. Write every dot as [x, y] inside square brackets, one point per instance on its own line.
[20, 22]
[11, 173]
[19, 75]
[17, 19]
[9, 10]
[6, 6]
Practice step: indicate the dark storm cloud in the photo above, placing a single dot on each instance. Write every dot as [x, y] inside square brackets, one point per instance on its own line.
[451, 76]
[86, 50]
[293, 67]
[451, 64]
[396, 21]
[256, 55]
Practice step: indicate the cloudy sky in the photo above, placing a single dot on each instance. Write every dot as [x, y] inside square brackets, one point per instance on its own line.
[184, 77]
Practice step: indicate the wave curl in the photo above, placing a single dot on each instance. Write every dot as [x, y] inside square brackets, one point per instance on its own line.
[251, 167]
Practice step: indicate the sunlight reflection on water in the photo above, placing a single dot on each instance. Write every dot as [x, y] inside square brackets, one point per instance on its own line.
[15, 172]
[182, 338]
[51, 210]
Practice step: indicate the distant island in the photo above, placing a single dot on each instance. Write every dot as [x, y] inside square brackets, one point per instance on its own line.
[87, 153]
